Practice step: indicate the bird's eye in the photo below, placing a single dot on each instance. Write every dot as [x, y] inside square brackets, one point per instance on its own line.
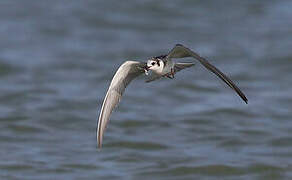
[153, 63]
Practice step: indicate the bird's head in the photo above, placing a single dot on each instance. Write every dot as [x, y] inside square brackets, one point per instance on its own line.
[154, 64]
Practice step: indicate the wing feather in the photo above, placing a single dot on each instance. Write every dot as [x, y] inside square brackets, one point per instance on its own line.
[124, 75]
[179, 51]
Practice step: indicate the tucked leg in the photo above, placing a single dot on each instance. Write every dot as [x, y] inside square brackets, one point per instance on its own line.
[170, 75]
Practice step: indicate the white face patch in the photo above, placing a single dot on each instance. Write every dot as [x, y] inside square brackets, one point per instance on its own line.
[151, 63]
[156, 65]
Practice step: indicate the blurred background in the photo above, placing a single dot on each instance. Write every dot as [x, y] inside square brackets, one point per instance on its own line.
[57, 59]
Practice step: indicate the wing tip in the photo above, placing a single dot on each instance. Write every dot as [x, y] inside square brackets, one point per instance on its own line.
[243, 97]
[99, 143]
[99, 146]
[245, 100]
[98, 139]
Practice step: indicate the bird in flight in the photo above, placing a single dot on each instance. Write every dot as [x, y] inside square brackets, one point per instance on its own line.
[160, 66]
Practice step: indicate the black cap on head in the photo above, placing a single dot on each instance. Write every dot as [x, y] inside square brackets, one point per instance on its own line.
[161, 56]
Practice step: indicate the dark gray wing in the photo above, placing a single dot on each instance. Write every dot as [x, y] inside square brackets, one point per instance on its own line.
[179, 51]
[124, 75]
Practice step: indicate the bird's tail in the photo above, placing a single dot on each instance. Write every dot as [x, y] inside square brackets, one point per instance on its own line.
[180, 66]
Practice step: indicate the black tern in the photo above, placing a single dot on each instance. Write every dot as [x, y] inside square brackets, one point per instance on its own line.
[160, 66]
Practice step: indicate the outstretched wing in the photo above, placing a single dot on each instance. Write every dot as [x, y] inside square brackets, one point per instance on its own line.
[179, 51]
[124, 75]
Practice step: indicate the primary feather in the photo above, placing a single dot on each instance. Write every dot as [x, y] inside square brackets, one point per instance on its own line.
[124, 75]
[179, 51]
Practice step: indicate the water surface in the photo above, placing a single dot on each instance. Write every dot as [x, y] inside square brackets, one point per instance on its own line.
[57, 59]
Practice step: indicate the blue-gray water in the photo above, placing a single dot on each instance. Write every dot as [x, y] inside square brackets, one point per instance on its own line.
[57, 59]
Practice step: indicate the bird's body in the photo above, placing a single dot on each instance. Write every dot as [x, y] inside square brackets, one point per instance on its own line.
[161, 66]
[168, 66]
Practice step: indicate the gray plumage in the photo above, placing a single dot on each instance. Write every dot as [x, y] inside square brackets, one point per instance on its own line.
[124, 75]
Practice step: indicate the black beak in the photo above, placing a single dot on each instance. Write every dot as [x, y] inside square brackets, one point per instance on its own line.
[146, 67]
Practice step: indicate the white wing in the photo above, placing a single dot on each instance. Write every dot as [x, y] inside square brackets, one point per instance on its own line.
[124, 75]
[179, 51]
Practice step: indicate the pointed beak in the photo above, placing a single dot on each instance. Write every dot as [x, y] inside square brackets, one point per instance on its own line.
[146, 68]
